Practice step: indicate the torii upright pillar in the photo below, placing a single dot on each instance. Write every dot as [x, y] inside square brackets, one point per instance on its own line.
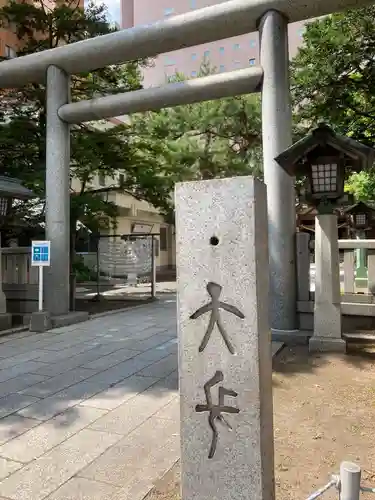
[277, 136]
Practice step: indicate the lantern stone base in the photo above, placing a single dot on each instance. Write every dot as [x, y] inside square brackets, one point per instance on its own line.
[43, 321]
[71, 318]
[290, 337]
[5, 321]
[326, 344]
[40, 322]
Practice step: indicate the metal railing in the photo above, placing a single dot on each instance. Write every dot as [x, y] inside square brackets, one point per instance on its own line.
[347, 483]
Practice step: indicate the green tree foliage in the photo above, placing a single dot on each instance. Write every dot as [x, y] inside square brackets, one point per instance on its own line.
[205, 140]
[94, 150]
[334, 81]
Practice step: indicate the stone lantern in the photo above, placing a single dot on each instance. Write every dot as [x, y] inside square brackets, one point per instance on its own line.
[324, 159]
[10, 189]
[360, 216]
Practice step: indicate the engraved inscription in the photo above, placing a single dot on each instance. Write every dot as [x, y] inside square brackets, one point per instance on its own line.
[214, 291]
[215, 411]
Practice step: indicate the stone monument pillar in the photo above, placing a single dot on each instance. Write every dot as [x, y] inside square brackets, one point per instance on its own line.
[224, 340]
[327, 308]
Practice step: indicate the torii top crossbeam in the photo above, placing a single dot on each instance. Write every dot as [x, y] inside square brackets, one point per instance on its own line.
[225, 20]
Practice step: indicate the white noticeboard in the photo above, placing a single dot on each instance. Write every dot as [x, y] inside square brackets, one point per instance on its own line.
[41, 257]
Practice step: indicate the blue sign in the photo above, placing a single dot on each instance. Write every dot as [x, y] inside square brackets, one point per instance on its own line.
[41, 253]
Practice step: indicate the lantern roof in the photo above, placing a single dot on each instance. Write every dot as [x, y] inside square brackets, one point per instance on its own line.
[359, 208]
[357, 156]
[13, 188]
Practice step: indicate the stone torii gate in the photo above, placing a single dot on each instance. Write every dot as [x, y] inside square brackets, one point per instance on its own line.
[227, 19]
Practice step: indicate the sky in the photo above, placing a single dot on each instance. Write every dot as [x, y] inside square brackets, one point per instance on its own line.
[113, 9]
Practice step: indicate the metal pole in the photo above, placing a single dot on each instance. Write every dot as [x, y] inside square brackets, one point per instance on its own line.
[350, 479]
[40, 294]
[57, 193]
[153, 268]
[277, 136]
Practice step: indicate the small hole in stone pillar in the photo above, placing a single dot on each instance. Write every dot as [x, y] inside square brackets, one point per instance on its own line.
[214, 241]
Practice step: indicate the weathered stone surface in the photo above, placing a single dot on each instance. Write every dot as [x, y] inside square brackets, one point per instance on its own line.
[40, 321]
[41, 439]
[71, 318]
[222, 255]
[13, 402]
[47, 473]
[127, 417]
[134, 454]
[326, 344]
[79, 488]
[327, 306]
[5, 321]
[117, 394]
[19, 383]
[15, 425]
[7, 467]
[58, 383]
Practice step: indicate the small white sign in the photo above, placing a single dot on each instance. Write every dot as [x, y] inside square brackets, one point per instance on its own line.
[41, 253]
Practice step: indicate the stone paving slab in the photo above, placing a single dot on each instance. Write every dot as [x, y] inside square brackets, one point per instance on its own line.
[20, 383]
[45, 474]
[7, 467]
[90, 411]
[111, 359]
[13, 402]
[119, 464]
[20, 358]
[79, 488]
[75, 361]
[47, 408]
[14, 425]
[161, 368]
[119, 393]
[134, 412]
[56, 384]
[14, 371]
[37, 441]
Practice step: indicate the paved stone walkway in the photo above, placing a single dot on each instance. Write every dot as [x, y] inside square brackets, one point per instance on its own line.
[90, 412]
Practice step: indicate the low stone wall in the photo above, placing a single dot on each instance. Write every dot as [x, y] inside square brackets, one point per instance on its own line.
[357, 314]
[21, 299]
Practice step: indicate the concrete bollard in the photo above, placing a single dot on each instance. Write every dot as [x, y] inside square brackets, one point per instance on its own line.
[350, 481]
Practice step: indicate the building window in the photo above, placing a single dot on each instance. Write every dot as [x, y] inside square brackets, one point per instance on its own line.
[237, 64]
[101, 179]
[193, 74]
[194, 57]
[221, 50]
[252, 43]
[168, 12]
[301, 31]
[236, 46]
[163, 239]
[168, 61]
[206, 54]
[222, 68]
[251, 62]
[193, 4]
[9, 52]
[121, 180]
